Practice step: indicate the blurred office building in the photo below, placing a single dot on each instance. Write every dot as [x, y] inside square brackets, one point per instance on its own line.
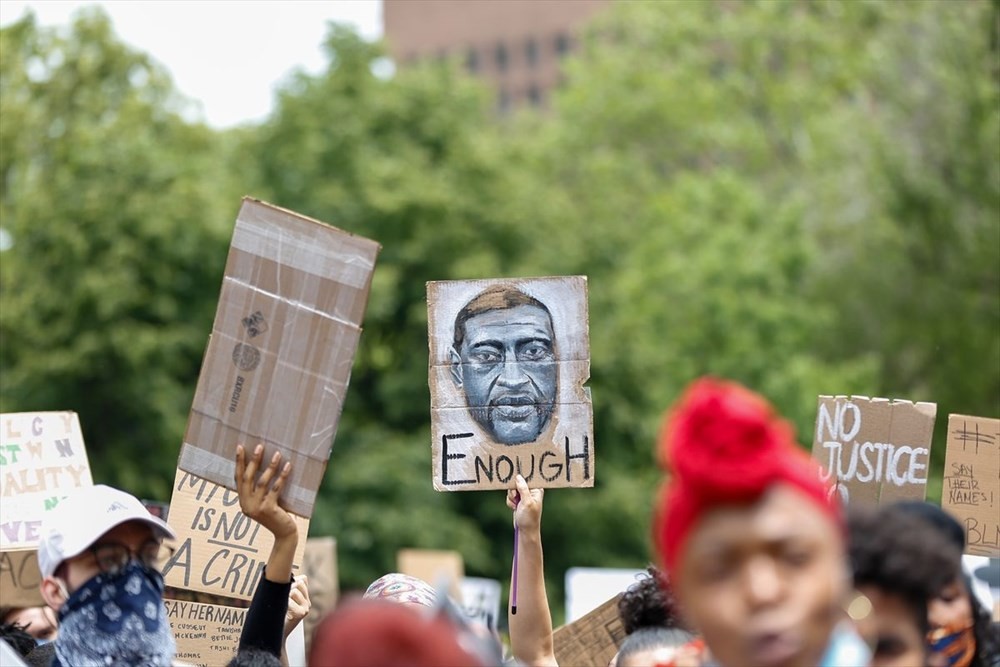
[516, 45]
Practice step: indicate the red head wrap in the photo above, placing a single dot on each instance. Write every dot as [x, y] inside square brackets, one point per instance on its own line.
[725, 446]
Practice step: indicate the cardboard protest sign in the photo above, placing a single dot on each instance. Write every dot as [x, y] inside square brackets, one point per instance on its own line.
[219, 550]
[206, 634]
[874, 450]
[972, 481]
[481, 600]
[19, 579]
[42, 458]
[592, 640]
[279, 358]
[434, 567]
[320, 565]
[508, 363]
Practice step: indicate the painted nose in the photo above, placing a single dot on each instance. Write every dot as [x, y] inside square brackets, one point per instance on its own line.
[511, 374]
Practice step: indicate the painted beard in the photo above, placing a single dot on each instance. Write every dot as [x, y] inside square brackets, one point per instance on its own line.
[514, 420]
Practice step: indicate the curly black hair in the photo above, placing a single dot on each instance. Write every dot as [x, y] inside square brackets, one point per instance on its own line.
[894, 551]
[18, 638]
[650, 603]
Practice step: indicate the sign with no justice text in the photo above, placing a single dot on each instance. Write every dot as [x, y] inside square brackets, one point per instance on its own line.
[874, 450]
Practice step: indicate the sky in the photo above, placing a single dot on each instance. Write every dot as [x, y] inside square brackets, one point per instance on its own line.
[226, 56]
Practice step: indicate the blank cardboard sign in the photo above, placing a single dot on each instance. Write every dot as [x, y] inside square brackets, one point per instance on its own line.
[874, 450]
[508, 362]
[434, 567]
[279, 358]
[219, 550]
[591, 640]
[972, 481]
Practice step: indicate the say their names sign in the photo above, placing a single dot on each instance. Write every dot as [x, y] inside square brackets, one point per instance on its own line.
[206, 634]
[42, 458]
[972, 481]
[874, 450]
[219, 550]
[279, 358]
[509, 359]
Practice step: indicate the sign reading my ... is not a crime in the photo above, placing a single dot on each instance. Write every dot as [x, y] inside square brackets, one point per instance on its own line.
[219, 550]
[508, 362]
[874, 450]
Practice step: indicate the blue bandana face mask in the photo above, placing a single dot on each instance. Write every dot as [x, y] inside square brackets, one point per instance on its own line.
[116, 619]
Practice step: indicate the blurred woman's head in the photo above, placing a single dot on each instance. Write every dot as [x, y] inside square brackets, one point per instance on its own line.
[959, 626]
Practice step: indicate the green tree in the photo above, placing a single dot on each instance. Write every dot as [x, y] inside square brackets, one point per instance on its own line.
[113, 204]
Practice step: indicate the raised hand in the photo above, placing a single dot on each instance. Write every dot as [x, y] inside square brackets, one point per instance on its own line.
[527, 505]
[259, 494]
[298, 603]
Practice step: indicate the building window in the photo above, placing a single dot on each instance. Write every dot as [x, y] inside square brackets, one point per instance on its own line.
[472, 60]
[503, 101]
[501, 57]
[531, 52]
[534, 96]
[563, 44]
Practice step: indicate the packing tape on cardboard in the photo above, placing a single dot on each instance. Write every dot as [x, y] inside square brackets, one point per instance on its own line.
[338, 260]
[295, 498]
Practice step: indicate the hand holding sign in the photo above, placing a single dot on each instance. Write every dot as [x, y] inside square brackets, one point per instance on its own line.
[258, 497]
[526, 504]
[298, 604]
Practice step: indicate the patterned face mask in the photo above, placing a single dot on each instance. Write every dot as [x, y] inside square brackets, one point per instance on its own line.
[956, 643]
[116, 619]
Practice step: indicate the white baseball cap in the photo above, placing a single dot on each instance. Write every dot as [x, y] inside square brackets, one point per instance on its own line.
[83, 516]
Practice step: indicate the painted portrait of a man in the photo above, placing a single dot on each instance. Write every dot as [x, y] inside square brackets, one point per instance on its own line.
[504, 360]
[508, 364]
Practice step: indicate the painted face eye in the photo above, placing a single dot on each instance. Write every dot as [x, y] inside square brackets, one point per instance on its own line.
[485, 355]
[535, 351]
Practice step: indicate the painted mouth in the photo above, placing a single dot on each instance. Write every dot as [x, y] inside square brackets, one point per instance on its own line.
[513, 399]
[514, 413]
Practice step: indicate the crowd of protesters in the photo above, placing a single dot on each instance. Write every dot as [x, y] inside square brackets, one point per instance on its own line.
[757, 566]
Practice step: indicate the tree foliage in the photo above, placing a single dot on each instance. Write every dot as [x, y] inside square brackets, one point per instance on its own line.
[113, 205]
[804, 197]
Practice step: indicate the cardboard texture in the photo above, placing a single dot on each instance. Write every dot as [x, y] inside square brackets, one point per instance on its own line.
[972, 481]
[509, 359]
[874, 450]
[593, 639]
[42, 457]
[320, 565]
[481, 600]
[19, 579]
[434, 567]
[206, 634]
[279, 358]
[219, 550]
